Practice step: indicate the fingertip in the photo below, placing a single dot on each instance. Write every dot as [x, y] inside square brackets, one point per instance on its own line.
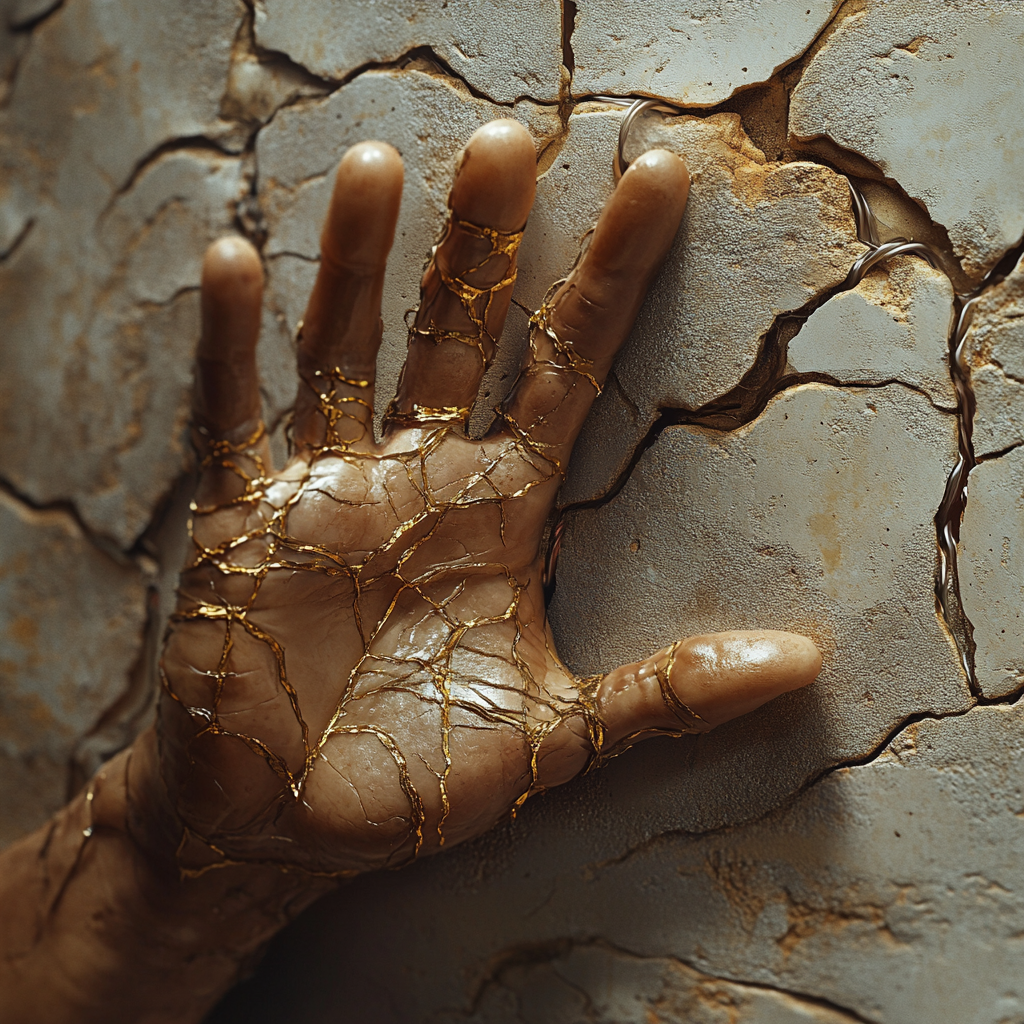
[231, 263]
[496, 178]
[659, 177]
[360, 225]
[801, 658]
[725, 675]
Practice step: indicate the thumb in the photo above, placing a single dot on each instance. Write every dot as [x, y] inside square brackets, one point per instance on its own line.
[689, 687]
[702, 682]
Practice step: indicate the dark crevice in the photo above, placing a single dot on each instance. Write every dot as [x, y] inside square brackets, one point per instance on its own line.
[568, 27]
[784, 806]
[19, 238]
[549, 952]
[102, 543]
[31, 23]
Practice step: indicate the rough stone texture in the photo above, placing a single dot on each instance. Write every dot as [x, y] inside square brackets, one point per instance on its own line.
[816, 517]
[72, 629]
[893, 891]
[600, 985]
[894, 326]
[932, 94]
[505, 50]
[696, 54]
[734, 878]
[995, 352]
[92, 282]
[758, 239]
[991, 561]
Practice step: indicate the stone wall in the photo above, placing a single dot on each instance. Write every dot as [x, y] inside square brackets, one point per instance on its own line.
[779, 446]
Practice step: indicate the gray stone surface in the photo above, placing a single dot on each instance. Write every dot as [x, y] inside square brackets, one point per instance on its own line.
[991, 565]
[891, 890]
[817, 517]
[72, 630]
[758, 239]
[995, 352]
[99, 325]
[696, 54]
[737, 878]
[932, 94]
[598, 984]
[505, 50]
[894, 326]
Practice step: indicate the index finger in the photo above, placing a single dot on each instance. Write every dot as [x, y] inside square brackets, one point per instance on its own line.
[581, 328]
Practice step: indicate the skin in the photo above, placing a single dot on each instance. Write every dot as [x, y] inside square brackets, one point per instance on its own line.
[360, 670]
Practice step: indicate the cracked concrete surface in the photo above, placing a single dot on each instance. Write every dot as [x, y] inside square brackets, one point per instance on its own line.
[771, 449]
[504, 51]
[931, 93]
[62, 662]
[889, 892]
[695, 55]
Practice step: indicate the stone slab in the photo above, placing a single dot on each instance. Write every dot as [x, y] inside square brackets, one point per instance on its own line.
[505, 50]
[894, 326]
[885, 85]
[818, 517]
[73, 622]
[98, 299]
[695, 55]
[991, 571]
[995, 354]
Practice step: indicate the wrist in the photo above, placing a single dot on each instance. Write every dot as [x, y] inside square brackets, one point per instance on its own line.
[97, 899]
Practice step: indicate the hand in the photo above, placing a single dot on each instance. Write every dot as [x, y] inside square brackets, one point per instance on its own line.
[360, 668]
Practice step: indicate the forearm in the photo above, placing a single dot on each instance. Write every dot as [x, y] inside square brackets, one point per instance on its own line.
[96, 923]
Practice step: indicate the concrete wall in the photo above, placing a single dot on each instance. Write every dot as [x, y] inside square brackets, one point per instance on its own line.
[773, 449]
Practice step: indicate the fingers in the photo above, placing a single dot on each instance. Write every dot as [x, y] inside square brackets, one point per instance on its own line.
[341, 330]
[581, 328]
[691, 686]
[226, 400]
[702, 682]
[467, 287]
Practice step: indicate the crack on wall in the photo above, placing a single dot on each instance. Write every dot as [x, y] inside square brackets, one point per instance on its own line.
[547, 953]
[33, 21]
[637, 849]
[68, 508]
[122, 720]
[23, 232]
[199, 144]
[992, 456]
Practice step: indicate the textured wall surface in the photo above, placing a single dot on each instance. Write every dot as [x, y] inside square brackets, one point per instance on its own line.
[774, 448]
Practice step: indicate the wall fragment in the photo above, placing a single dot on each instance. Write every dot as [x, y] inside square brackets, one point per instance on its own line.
[894, 326]
[505, 50]
[117, 234]
[72, 630]
[932, 94]
[991, 566]
[695, 55]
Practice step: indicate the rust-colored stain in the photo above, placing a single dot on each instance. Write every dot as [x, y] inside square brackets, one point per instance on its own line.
[24, 630]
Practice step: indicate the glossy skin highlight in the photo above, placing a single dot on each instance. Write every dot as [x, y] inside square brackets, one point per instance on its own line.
[307, 730]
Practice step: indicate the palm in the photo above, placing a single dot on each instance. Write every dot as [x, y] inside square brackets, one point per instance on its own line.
[360, 667]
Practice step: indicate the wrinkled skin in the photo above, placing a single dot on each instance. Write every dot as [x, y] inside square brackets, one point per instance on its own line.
[360, 669]
[369, 674]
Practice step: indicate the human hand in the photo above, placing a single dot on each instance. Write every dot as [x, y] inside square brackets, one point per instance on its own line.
[360, 669]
